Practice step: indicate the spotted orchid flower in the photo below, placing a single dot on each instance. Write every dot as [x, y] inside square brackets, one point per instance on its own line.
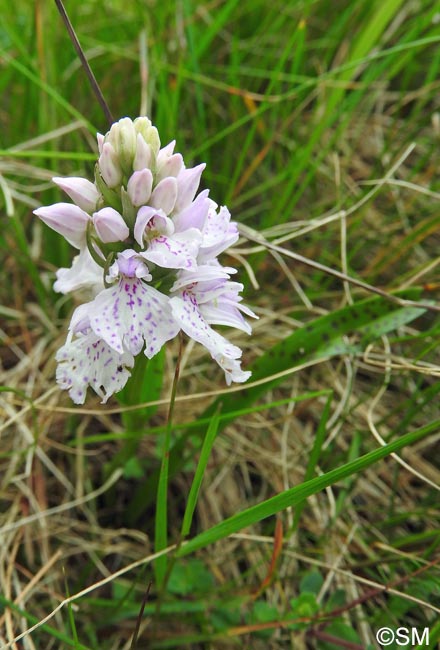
[88, 360]
[148, 249]
[131, 313]
[207, 297]
[164, 246]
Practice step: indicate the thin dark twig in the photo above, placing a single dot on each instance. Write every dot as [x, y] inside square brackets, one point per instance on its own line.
[95, 86]
[133, 645]
[335, 640]
[377, 591]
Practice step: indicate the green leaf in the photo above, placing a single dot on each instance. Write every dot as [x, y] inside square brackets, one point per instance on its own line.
[318, 340]
[227, 616]
[297, 494]
[342, 631]
[314, 455]
[311, 583]
[305, 606]
[263, 612]
[133, 468]
[198, 476]
[190, 577]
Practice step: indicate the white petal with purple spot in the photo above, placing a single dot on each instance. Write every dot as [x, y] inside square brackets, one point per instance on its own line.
[130, 314]
[89, 361]
[145, 215]
[201, 274]
[219, 233]
[186, 311]
[176, 252]
[232, 370]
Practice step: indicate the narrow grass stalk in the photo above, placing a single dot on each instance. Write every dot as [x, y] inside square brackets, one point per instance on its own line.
[200, 472]
[192, 499]
[314, 455]
[161, 522]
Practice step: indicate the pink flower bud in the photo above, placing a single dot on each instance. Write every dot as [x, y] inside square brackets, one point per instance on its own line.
[126, 146]
[142, 158]
[164, 195]
[109, 166]
[100, 139]
[171, 167]
[66, 219]
[110, 226]
[188, 183]
[139, 187]
[165, 153]
[142, 125]
[80, 190]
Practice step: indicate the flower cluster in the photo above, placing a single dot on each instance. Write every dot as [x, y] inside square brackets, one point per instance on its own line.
[148, 250]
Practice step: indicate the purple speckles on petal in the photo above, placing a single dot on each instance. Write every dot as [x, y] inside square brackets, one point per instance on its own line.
[133, 320]
[100, 373]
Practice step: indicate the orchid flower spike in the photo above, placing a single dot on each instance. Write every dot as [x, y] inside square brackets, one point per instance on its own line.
[148, 257]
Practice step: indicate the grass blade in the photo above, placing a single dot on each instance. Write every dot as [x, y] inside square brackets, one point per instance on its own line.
[314, 455]
[200, 471]
[299, 493]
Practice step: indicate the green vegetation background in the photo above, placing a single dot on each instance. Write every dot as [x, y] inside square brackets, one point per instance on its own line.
[300, 110]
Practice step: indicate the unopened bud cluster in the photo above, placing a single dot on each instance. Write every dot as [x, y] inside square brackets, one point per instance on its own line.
[148, 250]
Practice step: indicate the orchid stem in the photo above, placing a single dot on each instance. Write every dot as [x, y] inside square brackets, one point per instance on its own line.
[161, 531]
[95, 86]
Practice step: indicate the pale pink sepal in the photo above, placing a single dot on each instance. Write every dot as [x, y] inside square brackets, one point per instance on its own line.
[194, 215]
[188, 182]
[100, 138]
[139, 187]
[109, 166]
[164, 195]
[110, 226]
[80, 190]
[171, 167]
[66, 219]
